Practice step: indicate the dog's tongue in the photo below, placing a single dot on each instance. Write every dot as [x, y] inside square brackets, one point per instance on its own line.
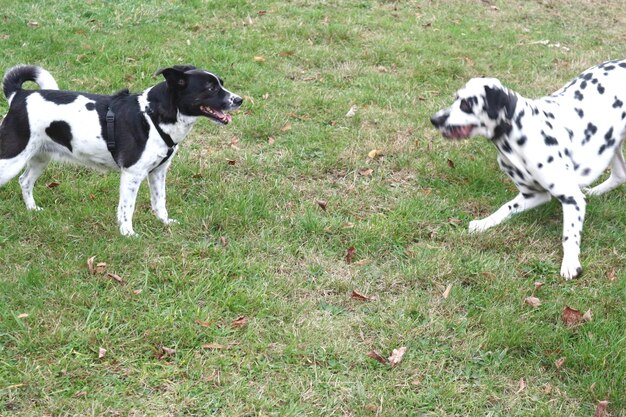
[460, 132]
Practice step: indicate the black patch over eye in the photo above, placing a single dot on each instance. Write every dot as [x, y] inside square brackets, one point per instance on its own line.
[466, 106]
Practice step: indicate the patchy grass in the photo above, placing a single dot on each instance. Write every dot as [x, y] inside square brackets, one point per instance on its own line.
[253, 242]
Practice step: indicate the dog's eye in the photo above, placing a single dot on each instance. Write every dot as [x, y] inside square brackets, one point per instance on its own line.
[465, 106]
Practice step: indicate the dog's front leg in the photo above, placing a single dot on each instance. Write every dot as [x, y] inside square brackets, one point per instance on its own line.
[573, 216]
[156, 179]
[129, 186]
[522, 202]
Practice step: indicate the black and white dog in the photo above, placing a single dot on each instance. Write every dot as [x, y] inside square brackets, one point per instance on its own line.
[554, 146]
[134, 133]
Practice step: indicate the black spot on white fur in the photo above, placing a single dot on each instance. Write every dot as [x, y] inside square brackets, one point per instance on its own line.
[60, 132]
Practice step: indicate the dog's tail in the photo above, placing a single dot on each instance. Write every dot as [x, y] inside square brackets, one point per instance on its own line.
[18, 75]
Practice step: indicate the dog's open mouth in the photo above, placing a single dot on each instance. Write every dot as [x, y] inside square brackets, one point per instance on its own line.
[457, 132]
[217, 115]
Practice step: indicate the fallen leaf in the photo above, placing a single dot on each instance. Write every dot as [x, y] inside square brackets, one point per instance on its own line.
[115, 277]
[164, 352]
[450, 163]
[532, 301]
[601, 409]
[101, 267]
[360, 297]
[137, 292]
[214, 346]
[538, 285]
[455, 221]
[587, 316]
[231, 161]
[270, 140]
[521, 385]
[32, 24]
[90, 266]
[101, 352]
[362, 262]
[285, 53]
[377, 357]
[234, 143]
[259, 58]
[372, 408]
[322, 204]
[241, 321]
[262, 12]
[223, 241]
[286, 128]
[352, 111]
[350, 254]
[79, 394]
[375, 153]
[446, 293]
[22, 315]
[396, 356]
[52, 184]
[571, 317]
[366, 172]
[559, 362]
[204, 323]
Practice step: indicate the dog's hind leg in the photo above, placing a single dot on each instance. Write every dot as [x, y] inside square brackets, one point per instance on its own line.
[618, 174]
[34, 169]
[522, 202]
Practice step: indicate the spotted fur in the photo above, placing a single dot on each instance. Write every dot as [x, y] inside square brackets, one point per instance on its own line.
[554, 146]
[47, 124]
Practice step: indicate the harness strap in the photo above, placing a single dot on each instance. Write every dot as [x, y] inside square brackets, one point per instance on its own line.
[110, 118]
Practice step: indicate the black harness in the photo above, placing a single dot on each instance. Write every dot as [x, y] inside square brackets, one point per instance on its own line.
[110, 119]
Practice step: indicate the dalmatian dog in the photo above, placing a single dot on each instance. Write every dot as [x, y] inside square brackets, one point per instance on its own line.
[135, 134]
[553, 146]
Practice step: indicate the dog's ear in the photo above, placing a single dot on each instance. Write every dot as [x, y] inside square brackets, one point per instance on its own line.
[497, 99]
[175, 76]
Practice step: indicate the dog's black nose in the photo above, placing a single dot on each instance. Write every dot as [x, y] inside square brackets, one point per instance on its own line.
[237, 101]
[438, 119]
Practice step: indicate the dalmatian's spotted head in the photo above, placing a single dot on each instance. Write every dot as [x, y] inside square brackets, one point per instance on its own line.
[482, 107]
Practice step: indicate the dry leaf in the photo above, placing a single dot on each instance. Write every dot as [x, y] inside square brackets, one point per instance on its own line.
[52, 184]
[358, 296]
[352, 111]
[366, 172]
[286, 128]
[223, 241]
[375, 153]
[612, 275]
[101, 267]
[22, 315]
[90, 266]
[115, 277]
[322, 204]
[101, 352]
[214, 346]
[377, 357]
[396, 356]
[165, 352]
[587, 316]
[362, 262]
[32, 24]
[538, 285]
[259, 58]
[571, 317]
[137, 292]
[521, 386]
[270, 140]
[532, 301]
[231, 161]
[285, 53]
[450, 163]
[446, 293]
[559, 362]
[350, 254]
[601, 409]
[79, 394]
[372, 408]
[204, 323]
[241, 321]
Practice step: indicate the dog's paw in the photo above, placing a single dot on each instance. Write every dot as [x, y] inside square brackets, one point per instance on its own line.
[170, 221]
[127, 230]
[34, 208]
[477, 226]
[571, 269]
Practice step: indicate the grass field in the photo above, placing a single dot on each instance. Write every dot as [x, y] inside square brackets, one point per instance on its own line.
[246, 307]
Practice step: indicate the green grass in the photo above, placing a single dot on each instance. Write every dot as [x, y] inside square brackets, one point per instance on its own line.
[304, 349]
